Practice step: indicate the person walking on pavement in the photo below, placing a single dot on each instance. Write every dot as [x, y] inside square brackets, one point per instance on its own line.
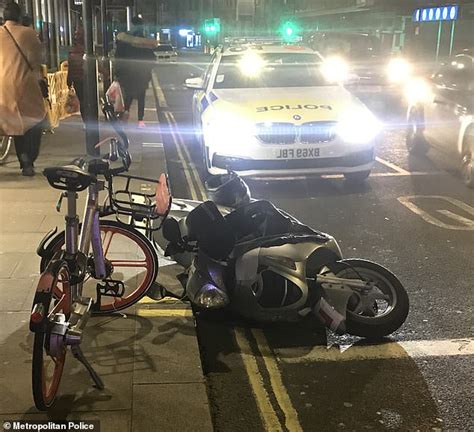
[134, 62]
[22, 109]
[75, 72]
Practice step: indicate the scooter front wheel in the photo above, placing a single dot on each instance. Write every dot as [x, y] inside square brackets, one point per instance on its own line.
[378, 311]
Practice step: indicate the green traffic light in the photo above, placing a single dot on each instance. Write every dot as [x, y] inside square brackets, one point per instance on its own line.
[289, 31]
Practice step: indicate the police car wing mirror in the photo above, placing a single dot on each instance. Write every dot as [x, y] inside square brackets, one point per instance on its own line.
[194, 83]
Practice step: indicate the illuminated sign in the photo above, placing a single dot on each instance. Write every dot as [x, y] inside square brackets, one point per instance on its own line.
[439, 13]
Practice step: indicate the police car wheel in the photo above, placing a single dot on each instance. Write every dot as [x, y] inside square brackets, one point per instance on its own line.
[357, 177]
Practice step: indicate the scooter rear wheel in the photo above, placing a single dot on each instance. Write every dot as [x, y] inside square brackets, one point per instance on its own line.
[383, 309]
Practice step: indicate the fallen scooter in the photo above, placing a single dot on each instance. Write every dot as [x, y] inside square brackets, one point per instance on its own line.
[265, 265]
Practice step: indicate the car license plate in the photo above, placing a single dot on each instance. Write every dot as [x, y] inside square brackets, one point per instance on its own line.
[298, 153]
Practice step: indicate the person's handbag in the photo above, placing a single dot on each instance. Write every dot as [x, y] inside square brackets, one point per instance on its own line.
[42, 82]
[115, 97]
[72, 104]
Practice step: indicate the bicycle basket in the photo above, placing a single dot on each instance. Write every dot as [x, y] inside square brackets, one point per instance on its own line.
[135, 201]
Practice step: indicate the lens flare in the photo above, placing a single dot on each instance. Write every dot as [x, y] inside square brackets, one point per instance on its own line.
[335, 69]
[417, 91]
[399, 70]
[251, 65]
[358, 126]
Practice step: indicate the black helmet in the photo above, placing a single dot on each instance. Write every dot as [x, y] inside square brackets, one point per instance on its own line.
[228, 190]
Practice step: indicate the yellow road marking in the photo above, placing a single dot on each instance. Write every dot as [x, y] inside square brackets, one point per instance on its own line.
[164, 300]
[180, 145]
[291, 416]
[267, 413]
[159, 92]
[153, 313]
[392, 166]
[391, 350]
[177, 138]
[197, 179]
[190, 183]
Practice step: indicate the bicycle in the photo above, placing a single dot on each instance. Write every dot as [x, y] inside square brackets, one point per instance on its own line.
[60, 309]
[5, 144]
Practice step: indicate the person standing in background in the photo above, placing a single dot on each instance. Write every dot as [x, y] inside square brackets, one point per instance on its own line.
[22, 109]
[75, 71]
[134, 63]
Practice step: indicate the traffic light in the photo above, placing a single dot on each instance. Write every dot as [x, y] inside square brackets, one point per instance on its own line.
[289, 31]
[212, 26]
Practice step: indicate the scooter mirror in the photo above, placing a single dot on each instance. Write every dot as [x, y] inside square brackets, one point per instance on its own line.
[171, 231]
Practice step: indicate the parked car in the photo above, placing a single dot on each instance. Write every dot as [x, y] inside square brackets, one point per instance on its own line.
[441, 113]
[166, 52]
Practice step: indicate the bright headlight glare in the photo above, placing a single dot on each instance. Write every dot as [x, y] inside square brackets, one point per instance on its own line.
[225, 130]
[418, 91]
[251, 64]
[335, 69]
[358, 126]
[399, 70]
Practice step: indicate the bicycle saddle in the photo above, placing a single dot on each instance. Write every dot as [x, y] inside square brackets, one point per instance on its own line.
[68, 177]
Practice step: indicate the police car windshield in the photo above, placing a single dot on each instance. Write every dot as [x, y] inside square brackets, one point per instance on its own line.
[277, 70]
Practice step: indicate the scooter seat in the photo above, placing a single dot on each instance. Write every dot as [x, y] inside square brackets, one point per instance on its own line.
[243, 247]
[214, 235]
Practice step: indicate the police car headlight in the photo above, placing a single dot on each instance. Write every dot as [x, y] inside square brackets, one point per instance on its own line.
[226, 130]
[335, 70]
[358, 126]
[399, 70]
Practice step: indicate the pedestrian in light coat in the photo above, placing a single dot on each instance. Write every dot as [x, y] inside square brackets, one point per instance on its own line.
[22, 109]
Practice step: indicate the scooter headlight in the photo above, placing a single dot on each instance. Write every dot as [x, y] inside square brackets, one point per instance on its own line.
[211, 297]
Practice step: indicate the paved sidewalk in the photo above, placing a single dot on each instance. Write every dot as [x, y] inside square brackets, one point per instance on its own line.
[148, 357]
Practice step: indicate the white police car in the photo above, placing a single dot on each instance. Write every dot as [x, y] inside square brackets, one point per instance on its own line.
[280, 110]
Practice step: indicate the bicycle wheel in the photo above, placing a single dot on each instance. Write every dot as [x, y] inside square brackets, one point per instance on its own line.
[49, 350]
[130, 258]
[5, 144]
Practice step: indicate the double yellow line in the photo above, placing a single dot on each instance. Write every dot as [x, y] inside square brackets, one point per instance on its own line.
[191, 174]
[267, 410]
[268, 413]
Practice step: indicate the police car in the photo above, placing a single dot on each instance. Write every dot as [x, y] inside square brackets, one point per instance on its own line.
[280, 110]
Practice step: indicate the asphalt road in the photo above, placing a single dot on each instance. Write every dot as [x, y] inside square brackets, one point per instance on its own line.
[414, 216]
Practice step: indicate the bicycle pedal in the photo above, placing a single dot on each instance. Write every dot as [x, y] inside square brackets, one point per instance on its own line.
[111, 288]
